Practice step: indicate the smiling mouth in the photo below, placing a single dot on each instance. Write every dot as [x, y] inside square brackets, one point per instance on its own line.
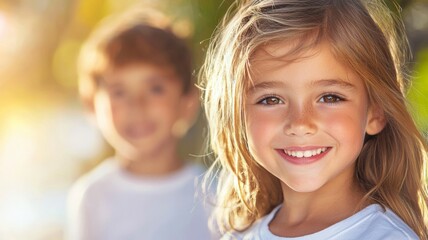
[303, 155]
[306, 153]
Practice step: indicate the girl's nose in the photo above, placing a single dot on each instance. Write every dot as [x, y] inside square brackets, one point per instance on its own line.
[300, 121]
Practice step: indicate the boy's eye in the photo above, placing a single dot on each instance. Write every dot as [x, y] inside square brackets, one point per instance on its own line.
[272, 100]
[330, 98]
[158, 89]
[117, 93]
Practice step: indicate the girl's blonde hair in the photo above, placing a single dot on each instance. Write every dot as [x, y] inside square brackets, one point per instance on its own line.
[366, 37]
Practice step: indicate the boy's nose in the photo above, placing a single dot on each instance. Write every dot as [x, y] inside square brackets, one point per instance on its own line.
[137, 106]
[300, 121]
[138, 101]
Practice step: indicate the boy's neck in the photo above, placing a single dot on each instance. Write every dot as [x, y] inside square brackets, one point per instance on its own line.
[306, 213]
[158, 163]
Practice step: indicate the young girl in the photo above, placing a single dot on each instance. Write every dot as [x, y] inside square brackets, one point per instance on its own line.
[307, 115]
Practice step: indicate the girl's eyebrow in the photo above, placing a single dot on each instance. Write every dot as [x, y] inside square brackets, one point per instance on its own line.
[279, 84]
[333, 82]
[265, 85]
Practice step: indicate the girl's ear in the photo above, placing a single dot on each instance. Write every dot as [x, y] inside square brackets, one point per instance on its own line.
[189, 112]
[375, 120]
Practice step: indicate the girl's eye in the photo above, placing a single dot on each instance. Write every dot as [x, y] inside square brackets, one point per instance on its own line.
[330, 98]
[270, 101]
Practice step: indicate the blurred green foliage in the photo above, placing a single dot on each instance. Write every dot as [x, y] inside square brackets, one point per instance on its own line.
[418, 92]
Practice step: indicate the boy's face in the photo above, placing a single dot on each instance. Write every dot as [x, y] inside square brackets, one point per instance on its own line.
[136, 107]
[306, 120]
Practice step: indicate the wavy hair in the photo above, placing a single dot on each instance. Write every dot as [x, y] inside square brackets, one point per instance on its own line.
[364, 35]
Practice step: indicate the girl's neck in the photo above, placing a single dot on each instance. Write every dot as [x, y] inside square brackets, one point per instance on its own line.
[306, 213]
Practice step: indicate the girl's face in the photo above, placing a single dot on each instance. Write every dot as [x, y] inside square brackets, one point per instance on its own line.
[306, 119]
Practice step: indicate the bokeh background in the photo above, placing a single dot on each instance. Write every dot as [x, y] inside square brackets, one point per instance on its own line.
[47, 140]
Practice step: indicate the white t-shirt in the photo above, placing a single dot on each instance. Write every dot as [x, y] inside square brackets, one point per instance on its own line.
[371, 223]
[110, 204]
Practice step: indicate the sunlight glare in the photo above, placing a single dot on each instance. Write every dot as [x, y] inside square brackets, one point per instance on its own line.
[3, 25]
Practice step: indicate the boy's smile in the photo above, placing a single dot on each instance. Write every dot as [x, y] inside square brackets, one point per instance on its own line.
[306, 119]
[139, 130]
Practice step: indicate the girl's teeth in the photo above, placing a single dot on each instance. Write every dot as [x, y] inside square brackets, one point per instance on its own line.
[307, 153]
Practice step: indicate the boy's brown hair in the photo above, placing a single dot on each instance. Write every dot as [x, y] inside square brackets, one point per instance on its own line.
[132, 37]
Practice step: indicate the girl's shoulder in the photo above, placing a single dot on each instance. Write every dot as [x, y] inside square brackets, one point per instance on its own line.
[256, 231]
[382, 223]
[373, 222]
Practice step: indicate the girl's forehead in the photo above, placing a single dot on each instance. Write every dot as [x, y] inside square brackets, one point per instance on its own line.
[288, 50]
[272, 56]
[280, 62]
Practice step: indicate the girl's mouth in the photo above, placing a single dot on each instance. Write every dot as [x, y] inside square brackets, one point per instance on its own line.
[306, 154]
[301, 156]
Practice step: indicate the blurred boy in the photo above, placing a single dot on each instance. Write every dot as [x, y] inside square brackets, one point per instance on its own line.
[135, 77]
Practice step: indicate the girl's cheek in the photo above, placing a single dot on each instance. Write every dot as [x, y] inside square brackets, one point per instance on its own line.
[261, 126]
[343, 124]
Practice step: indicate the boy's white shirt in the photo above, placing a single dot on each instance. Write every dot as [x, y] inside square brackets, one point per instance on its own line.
[110, 204]
[371, 223]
